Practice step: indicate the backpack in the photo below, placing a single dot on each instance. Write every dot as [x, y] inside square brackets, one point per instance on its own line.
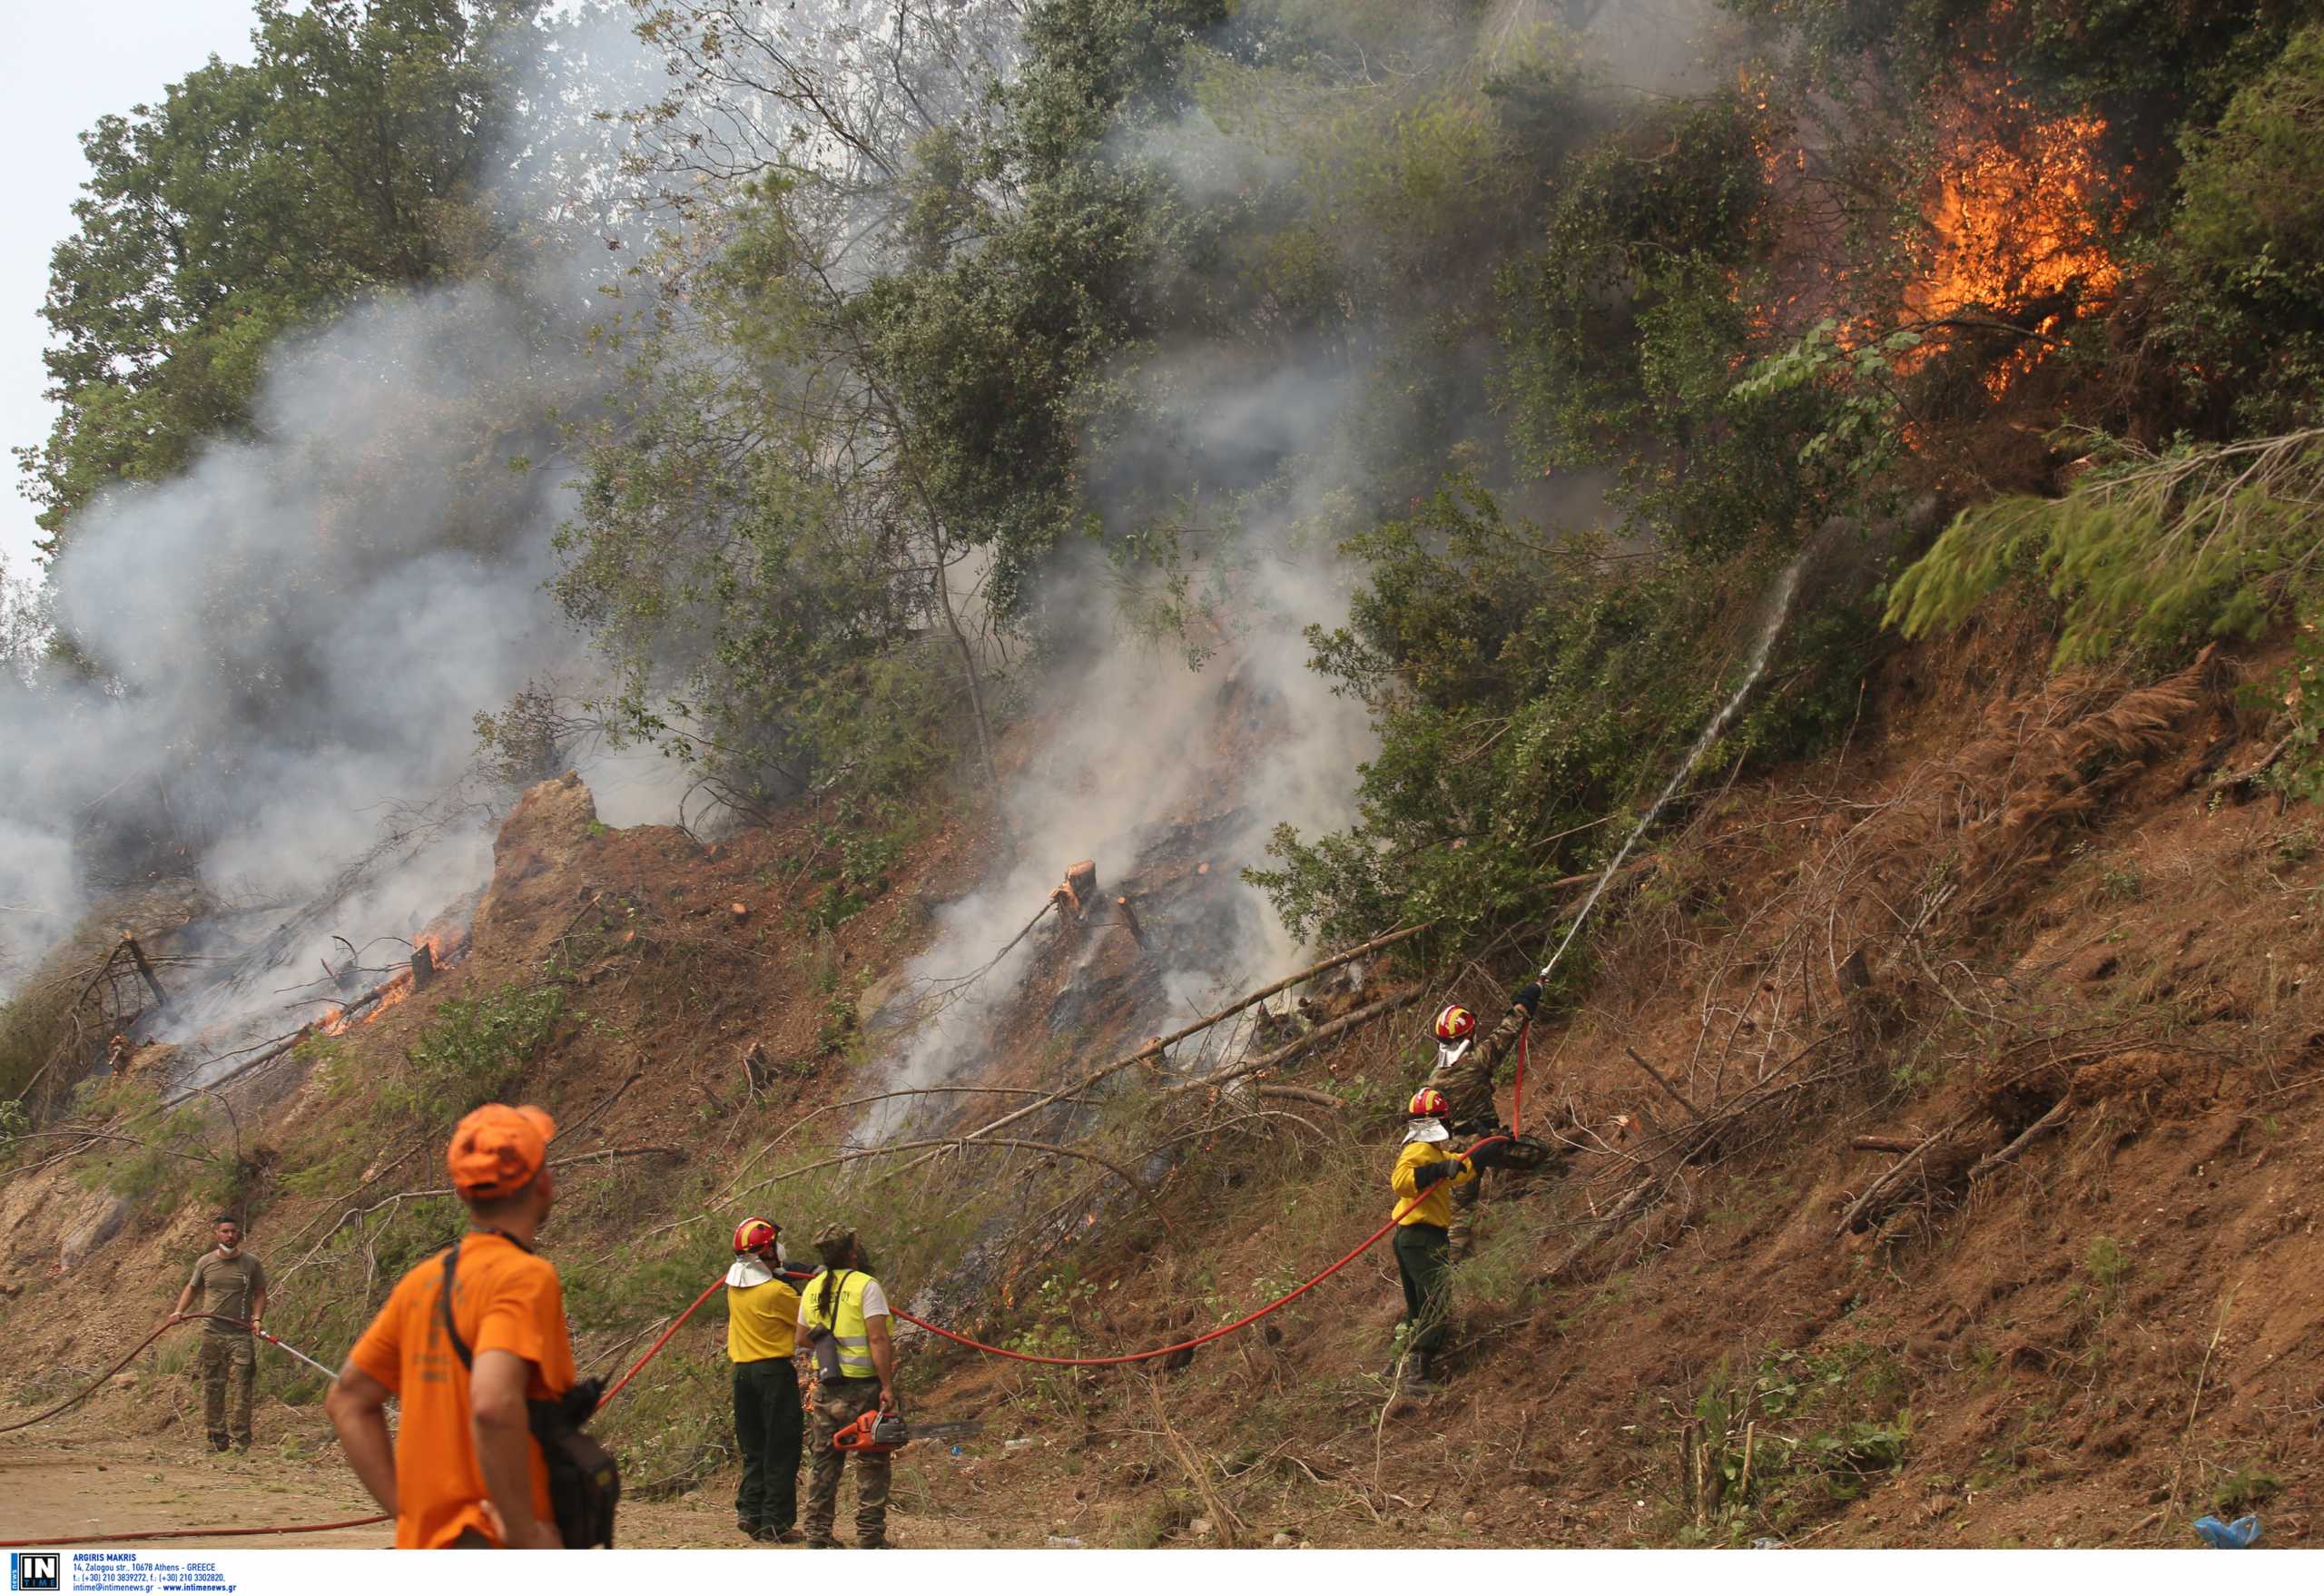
[584, 1481]
[822, 1338]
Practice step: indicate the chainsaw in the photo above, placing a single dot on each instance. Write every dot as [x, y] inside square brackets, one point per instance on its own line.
[873, 1435]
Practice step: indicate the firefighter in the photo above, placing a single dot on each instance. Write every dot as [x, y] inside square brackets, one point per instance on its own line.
[762, 1332]
[233, 1289]
[1464, 1074]
[1427, 1179]
[844, 1320]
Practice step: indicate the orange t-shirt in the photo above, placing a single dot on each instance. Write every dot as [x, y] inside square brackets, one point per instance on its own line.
[507, 1300]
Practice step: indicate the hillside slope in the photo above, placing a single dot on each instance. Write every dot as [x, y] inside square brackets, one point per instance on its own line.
[2014, 929]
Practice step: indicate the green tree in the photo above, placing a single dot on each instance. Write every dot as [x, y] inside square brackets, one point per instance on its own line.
[356, 153]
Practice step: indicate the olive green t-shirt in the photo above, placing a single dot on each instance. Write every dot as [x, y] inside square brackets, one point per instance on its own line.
[226, 1285]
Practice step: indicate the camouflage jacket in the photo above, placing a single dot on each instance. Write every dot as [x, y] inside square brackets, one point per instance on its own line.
[1467, 1085]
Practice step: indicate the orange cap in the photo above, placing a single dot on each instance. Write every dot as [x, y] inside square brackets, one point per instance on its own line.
[498, 1148]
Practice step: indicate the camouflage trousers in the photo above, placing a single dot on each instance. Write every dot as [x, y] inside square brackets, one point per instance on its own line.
[1461, 1235]
[839, 1403]
[225, 1356]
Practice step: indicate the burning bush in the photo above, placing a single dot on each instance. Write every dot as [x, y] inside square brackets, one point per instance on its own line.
[2019, 220]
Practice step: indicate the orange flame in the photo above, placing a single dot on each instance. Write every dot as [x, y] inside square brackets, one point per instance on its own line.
[445, 947]
[2016, 221]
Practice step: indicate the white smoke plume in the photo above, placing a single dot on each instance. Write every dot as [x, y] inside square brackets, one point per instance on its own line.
[1136, 748]
[1221, 728]
[292, 639]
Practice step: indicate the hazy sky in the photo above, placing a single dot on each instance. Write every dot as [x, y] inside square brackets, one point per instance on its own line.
[63, 67]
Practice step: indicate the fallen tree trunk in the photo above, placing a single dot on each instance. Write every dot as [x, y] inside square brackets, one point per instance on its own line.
[1675, 1095]
[291, 1042]
[1328, 1031]
[940, 1145]
[1896, 1172]
[145, 970]
[2053, 1120]
[1300, 1094]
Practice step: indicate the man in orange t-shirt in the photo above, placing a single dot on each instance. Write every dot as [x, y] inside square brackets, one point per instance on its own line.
[465, 1470]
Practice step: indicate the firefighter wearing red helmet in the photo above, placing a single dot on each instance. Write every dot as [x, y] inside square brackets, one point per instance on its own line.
[1426, 1175]
[770, 1426]
[1465, 1064]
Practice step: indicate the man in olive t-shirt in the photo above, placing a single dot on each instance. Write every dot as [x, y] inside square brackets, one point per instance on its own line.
[232, 1287]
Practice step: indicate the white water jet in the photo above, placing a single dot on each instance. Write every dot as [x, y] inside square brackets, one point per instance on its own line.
[1786, 588]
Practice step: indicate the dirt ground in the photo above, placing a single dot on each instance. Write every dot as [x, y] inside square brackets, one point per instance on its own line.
[77, 1479]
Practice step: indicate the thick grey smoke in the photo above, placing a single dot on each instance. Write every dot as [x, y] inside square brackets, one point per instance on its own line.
[1219, 725]
[297, 633]
[289, 641]
[1261, 457]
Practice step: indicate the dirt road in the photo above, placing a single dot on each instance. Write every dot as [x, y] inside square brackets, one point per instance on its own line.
[80, 1477]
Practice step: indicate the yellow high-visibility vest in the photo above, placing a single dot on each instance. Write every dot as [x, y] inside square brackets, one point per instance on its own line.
[846, 1323]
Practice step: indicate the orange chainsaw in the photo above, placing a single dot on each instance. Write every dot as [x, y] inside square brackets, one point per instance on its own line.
[872, 1435]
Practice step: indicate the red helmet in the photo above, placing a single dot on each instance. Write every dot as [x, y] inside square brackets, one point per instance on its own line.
[753, 1235]
[1453, 1022]
[1428, 1103]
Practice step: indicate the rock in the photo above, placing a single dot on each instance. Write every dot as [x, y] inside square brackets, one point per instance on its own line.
[102, 1219]
[1073, 1541]
[542, 836]
[1198, 1526]
[1284, 1538]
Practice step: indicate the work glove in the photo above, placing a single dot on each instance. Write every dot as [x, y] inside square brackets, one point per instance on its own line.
[1529, 999]
[1428, 1175]
[1492, 1157]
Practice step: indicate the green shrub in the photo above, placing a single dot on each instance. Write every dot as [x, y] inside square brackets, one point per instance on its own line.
[471, 1051]
[2247, 1487]
[1800, 1434]
[2153, 551]
[2108, 1264]
[1523, 689]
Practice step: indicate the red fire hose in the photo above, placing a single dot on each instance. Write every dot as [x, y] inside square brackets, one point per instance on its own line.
[83, 1394]
[91, 1388]
[1516, 1119]
[657, 1346]
[1516, 1114]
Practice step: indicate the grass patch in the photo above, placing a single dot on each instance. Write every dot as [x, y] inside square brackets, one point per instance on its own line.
[2247, 1487]
[1799, 1435]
